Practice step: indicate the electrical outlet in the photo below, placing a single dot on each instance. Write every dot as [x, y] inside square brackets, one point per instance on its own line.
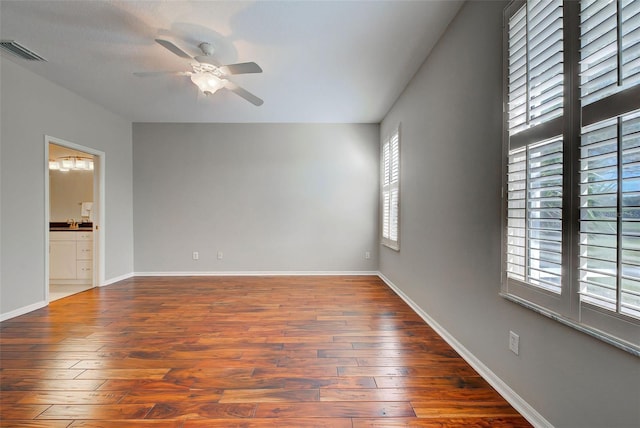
[220, 255]
[196, 256]
[514, 342]
[367, 255]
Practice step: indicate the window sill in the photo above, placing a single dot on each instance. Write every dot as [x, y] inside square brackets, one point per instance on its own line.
[611, 340]
[394, 247]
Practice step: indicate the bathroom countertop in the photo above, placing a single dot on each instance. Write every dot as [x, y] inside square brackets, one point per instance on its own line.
[64, 227]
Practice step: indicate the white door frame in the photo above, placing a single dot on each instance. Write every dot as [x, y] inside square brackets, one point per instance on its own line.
[98, 220]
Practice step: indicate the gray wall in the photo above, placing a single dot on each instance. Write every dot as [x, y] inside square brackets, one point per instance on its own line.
[449, 262]
[32, 108]
[271, 197]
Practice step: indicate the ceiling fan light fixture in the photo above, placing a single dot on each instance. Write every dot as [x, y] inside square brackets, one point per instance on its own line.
[207, 82]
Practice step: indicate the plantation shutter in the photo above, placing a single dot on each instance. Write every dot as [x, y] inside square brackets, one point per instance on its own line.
[391, 191]
[535, 65]
[609, 47]
[535, 169]
[609, 270]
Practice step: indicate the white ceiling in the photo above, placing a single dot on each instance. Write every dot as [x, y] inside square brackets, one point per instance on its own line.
[323, 61]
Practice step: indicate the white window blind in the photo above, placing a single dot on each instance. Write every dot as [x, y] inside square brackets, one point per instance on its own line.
[535, 215]
[609, 47]
[572, 92]
[535, 64]
[609, 271]
[391, 190]
[610, 215]
[535, 170]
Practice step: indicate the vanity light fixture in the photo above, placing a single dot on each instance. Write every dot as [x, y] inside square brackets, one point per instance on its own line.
[71, 163]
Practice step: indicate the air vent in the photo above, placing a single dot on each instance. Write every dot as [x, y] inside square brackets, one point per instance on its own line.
[19, 50]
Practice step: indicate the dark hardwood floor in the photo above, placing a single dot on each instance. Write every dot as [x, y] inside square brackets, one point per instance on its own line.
[238, 352]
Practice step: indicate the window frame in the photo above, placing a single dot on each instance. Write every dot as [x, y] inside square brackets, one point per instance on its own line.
[387, 188]
[567, 308]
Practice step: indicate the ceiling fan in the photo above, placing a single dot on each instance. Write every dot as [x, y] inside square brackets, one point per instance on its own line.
[207, 74]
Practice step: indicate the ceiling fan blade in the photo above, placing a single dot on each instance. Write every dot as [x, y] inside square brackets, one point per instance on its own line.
[243, 93]
[173, 48]
[161, 73]
[242, 68]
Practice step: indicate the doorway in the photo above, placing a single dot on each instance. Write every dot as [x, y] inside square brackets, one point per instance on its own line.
[74, 204]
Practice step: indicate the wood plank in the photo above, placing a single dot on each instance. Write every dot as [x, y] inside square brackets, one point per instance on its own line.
[11, 397]
[269, 395]
[319, 371]
[133, 363]
[317, 362]
[35, 424]
[67, 347]
[238, 352]
[508, 422]
[22, 411]
[454, 368]
[160, 396]
[49, 384]
[334, 409]
[28, 363]
[140, 385]
[461, 408]
[128, 423]
[40, 373]
[201, 410]
[124, 374]
[269, 423]
[96, 411]
[71, 397]
[459, 382]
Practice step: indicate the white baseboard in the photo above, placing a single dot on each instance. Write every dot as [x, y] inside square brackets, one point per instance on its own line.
[23, 310]
[260, 273]
[518, 403]
[117, 279]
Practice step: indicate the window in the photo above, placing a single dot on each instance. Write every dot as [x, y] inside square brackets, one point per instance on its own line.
[391, 190]
[572, 161]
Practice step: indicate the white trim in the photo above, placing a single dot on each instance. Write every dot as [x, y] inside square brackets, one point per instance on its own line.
[260, 273]
[525, 409]
[23, 310]
[47, 218]
[116, 279]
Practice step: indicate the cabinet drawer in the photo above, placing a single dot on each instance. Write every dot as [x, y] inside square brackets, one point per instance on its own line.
[84, 269]
[84, 236]
[62, 236]
[84, 250]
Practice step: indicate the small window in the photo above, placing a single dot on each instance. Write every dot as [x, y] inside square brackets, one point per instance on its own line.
[391, 191]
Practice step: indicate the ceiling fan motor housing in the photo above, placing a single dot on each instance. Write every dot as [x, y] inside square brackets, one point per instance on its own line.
[207, 48]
